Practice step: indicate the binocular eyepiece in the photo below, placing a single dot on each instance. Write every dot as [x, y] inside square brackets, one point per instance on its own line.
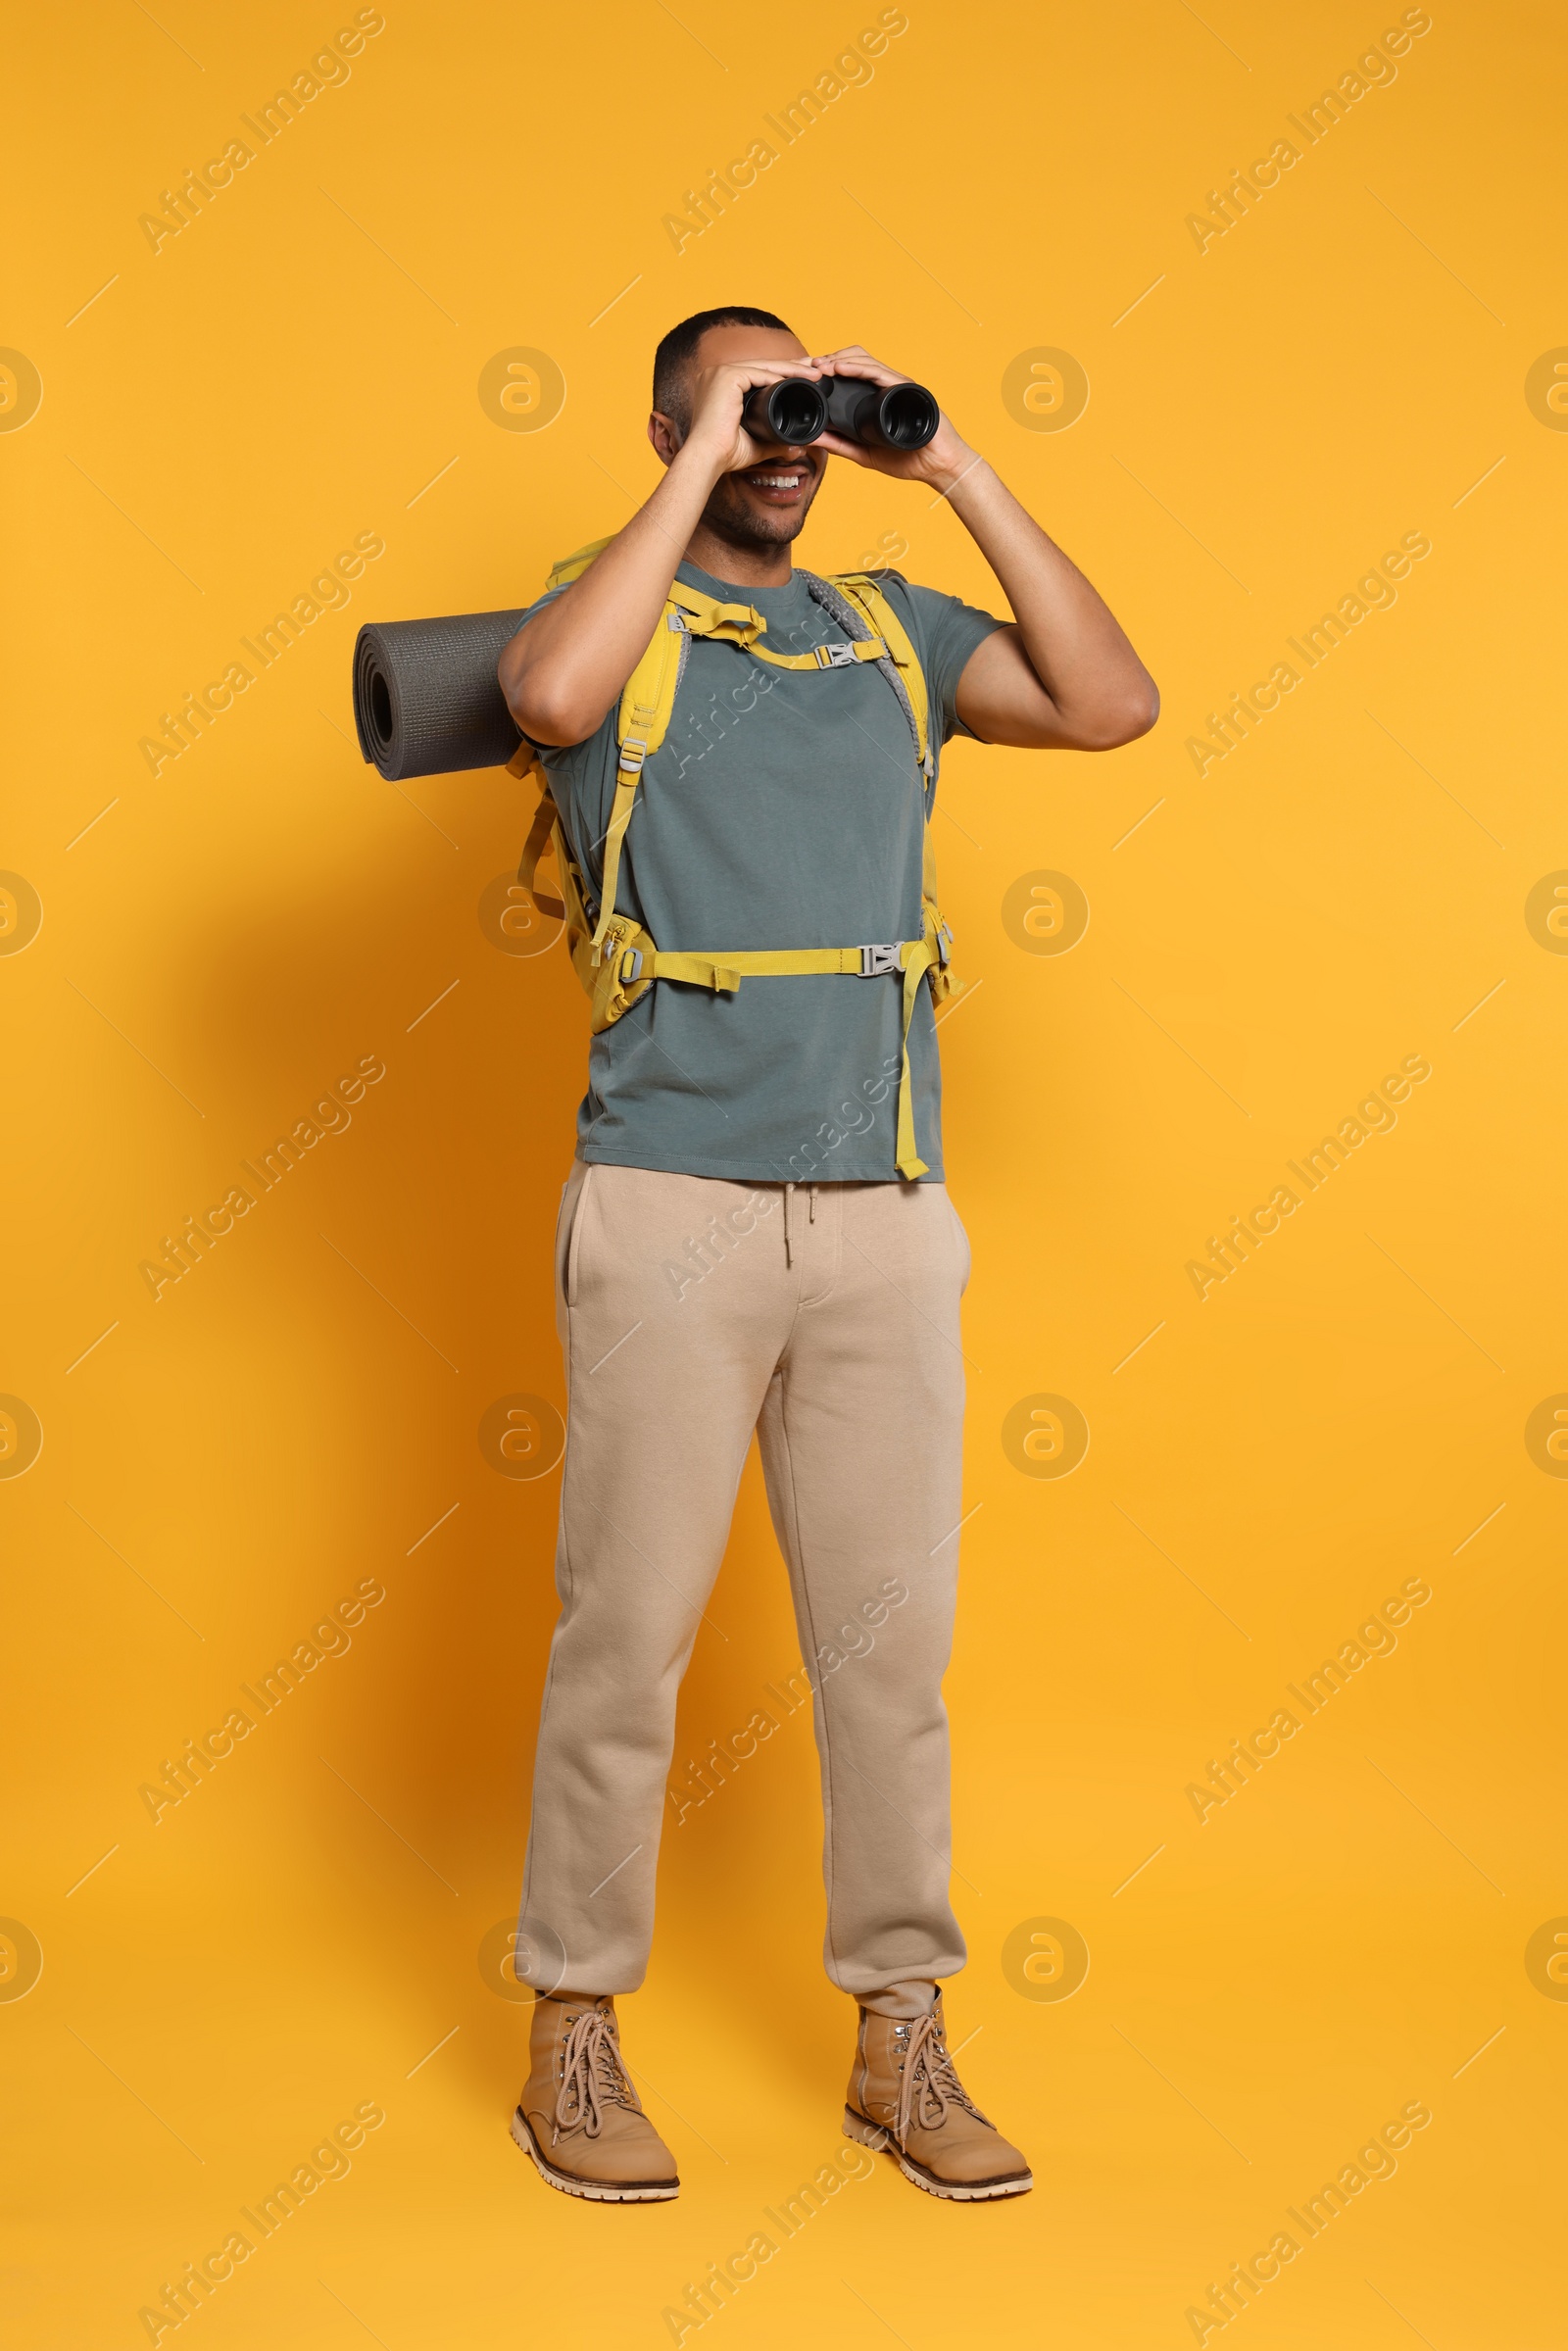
[798, 411]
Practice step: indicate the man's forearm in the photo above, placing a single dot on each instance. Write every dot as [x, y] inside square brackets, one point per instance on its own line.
[1074, 644]
[562, 673]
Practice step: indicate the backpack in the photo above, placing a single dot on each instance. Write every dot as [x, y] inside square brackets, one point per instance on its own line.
[614, 958]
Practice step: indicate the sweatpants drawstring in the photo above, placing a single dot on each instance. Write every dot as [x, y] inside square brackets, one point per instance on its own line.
[810, 1216]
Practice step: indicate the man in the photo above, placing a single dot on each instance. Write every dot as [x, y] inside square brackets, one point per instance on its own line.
[755, 1234]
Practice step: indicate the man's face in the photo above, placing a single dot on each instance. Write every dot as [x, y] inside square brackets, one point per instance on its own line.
[765, 504]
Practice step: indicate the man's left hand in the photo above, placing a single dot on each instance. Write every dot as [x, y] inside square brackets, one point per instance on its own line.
[942, 460]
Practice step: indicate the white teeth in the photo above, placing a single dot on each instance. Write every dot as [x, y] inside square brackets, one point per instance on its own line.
[775, 482]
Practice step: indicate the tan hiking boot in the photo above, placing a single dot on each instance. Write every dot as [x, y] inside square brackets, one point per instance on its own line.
[906, 2096]
[579, 2117]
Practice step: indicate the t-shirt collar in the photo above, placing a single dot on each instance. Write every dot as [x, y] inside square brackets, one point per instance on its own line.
[790, 603]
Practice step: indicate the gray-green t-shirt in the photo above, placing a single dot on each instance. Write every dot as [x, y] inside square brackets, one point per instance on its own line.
[784, 809]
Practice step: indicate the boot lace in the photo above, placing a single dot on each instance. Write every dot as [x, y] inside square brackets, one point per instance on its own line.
[592, 2076]
[929, 2084]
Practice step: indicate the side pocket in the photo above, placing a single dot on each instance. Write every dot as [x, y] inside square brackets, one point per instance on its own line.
[965, 1255]
[574, 1242]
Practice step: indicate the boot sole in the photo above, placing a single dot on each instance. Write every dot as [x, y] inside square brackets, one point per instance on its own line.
[598, 2191]
[955, 2191]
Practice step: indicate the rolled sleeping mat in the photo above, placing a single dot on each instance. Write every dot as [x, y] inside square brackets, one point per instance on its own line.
[427, 701]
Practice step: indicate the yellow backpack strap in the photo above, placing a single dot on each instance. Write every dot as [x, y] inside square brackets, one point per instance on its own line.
[646, 708]
[543, 833]
[871, 600]
[647, 701]
[842, 655]
[523, 763]
[700, 615]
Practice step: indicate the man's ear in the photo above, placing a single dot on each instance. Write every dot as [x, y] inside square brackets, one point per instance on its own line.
[665, 437]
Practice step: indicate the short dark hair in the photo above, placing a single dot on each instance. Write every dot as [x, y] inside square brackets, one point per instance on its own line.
[678, 347]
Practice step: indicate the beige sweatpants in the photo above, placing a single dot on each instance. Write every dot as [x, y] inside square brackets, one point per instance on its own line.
[693, 1312]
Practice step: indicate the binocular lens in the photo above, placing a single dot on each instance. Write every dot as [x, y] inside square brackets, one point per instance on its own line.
[908, 417]
[793, 412]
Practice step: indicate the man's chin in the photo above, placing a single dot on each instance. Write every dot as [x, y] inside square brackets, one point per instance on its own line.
[756, 526]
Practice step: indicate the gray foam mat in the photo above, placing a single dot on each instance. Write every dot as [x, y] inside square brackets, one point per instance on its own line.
[425, 696]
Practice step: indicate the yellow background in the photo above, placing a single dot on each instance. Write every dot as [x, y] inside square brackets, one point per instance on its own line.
[293, 1416]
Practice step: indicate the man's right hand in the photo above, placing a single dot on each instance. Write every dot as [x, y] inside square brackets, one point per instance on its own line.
[715, 438]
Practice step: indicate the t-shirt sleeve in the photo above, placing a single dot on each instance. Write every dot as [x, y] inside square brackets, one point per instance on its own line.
[949, 630]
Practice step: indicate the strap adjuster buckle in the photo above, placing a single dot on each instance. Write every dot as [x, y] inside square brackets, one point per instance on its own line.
[631, 966]
[678, 620]
[835, 657]
[874, 960]
[633, 751]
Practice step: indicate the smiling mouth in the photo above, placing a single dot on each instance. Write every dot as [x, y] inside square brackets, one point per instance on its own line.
[778, 482]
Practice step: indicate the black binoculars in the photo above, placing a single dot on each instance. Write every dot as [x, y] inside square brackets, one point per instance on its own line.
[798, 411]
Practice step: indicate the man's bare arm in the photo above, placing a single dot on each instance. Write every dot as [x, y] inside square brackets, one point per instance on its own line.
[562, 671]
[1064, 676]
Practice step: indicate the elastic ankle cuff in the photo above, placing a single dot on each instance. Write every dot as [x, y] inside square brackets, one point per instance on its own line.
[915, 1997]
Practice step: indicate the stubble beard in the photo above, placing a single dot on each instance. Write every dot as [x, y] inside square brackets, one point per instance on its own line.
[730, 518]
